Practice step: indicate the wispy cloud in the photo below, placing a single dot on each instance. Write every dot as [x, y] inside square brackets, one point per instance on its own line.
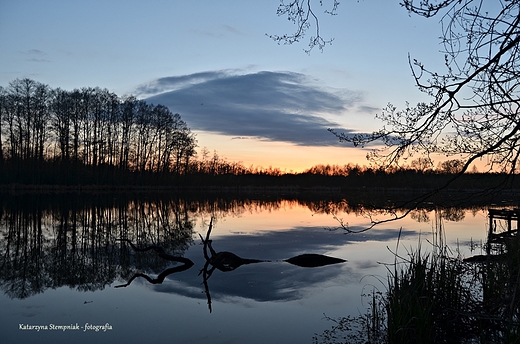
[368, 109]
[38, 60]
[33, 52]
[217, 32]
[273, 106]
[36, 55]
[232, 30]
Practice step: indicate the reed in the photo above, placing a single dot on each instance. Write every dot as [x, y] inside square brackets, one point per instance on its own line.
[427, 300]
[437, 297]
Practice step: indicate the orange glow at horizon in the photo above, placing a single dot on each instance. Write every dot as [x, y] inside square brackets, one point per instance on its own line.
[291, 158]
[285, 156]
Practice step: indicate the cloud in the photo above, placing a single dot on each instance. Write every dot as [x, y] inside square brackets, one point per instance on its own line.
[232, 30]
[33, 52]
[217, 32]
[38, 60]
[271, 106]
[369, 109]
[36, 55]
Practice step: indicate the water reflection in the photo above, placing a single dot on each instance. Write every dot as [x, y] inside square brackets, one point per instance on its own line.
[227, 261]
[56, 241]
[152, 246]
[186, 264]
[66, 242]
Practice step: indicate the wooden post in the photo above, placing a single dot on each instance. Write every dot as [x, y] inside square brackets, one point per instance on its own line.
[488, 244]
[490, 223]
[517, 211]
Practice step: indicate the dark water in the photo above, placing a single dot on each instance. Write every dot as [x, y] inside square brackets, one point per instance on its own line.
[268, 271]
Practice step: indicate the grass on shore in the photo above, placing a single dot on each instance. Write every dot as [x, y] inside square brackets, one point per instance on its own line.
[437, 297]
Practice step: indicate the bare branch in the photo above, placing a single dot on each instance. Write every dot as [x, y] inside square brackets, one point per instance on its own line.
[475, 104]
[303, 16]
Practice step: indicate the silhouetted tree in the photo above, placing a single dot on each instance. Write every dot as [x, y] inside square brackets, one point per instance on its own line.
[183, 144]
[128, 114]
[25, 110]
[452, 166]
[61, 122]
[88, 131]
[475, 104]
[3, 104]
[421, 164]
[475, 107]
[75, 117]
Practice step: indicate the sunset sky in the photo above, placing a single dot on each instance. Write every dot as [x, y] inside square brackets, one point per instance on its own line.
[244, 95]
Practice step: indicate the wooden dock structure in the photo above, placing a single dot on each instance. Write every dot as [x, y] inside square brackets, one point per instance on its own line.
[509, 215]
[496, 240]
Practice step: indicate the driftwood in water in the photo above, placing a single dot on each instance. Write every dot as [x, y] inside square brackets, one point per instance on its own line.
[186, 264]
[223, 261]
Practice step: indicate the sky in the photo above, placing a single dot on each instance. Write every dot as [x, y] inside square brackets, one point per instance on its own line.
[246, 97]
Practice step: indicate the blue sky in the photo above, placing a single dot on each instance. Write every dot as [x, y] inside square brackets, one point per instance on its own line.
[245, 96]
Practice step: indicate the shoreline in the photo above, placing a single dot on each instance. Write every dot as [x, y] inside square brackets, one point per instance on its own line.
[375, 196]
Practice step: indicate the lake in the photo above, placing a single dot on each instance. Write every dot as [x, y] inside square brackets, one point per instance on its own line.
[69, 272]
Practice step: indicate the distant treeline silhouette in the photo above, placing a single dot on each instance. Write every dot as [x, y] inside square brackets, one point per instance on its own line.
[91, 136]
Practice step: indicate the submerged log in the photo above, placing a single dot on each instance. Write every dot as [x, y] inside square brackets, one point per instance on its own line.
[310, 260]
[227, 261]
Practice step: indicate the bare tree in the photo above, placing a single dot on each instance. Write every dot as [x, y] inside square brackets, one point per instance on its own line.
[26, 112]
[3, 101]
[422, 164]
[60, 124]
[128, 113]
[451, 166]
[474, 110]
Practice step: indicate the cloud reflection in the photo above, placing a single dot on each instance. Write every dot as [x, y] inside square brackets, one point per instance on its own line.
[275, 280]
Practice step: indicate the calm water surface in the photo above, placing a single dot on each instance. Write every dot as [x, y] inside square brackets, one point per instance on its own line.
[61, 261]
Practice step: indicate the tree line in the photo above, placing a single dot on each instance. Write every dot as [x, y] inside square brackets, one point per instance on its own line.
[89, 128]
[91, 136]
[418, 166]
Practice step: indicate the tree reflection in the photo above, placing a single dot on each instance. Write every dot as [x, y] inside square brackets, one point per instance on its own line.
[61, 241]
[92, 241]
[223, 261]
[186, 264]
